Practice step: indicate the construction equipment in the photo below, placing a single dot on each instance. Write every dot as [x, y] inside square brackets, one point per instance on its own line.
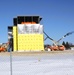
[3, 47]
[56, 45]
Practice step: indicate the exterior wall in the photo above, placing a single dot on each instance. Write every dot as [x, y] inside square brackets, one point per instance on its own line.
[28, 34]
[14, 38]
[27, 42]
[30, 42]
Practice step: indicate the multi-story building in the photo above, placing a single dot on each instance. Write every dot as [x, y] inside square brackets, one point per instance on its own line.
[27, 33]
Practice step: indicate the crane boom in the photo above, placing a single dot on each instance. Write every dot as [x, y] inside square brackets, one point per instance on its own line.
[50, 39]
[65, 35]
[57, 42]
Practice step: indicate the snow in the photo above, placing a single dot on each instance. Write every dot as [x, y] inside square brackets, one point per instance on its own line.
[38, 65]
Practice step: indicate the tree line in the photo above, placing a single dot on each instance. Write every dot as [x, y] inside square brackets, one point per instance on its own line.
[67, 45]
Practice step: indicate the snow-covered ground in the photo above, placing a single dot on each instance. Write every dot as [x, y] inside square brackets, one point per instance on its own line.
[62, 64]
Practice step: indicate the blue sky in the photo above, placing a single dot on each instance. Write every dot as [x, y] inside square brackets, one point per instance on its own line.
[58, 16]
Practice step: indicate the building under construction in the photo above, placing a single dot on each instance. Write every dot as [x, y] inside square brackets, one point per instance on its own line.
[26, 34]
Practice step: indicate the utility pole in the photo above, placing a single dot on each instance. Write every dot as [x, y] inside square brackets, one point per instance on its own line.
[10, 61]
[10, 50]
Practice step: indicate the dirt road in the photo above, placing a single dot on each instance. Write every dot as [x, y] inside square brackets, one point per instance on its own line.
[37, 53]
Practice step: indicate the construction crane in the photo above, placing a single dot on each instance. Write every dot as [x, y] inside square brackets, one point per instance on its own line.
[69, 33]
[50, 39]
[56, 43]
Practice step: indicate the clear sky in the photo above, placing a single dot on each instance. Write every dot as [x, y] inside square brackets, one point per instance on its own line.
[58, 16]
